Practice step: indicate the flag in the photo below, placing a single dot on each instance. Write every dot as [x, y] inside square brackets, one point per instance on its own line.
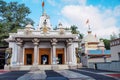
[43, 4]
[87, 21]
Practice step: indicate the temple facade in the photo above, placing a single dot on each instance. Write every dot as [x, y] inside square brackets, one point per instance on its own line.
[43, 46]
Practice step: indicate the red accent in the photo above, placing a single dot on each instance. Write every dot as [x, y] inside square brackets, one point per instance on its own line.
[114, 75]
[43, 4]
[87, 21]
[95, 35]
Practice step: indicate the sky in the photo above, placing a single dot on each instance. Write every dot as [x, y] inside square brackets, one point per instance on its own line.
[103, 15]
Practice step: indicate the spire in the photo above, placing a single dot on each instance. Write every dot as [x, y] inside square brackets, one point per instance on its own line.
[89, 29]
[43, 4]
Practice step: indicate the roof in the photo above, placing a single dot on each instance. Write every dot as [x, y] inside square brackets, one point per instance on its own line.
[90, 38]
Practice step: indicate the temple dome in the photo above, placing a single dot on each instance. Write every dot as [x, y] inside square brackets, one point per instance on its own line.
[90, 38]
[29, 26]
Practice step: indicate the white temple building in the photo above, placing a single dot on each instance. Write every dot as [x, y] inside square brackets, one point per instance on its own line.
[43, 47]
[93, 49]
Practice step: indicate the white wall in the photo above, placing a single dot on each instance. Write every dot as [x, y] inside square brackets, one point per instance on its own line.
[114, 52]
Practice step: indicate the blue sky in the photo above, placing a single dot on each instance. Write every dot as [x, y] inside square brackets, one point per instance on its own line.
[103, 15]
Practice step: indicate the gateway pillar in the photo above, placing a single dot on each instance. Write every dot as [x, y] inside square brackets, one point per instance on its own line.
[35, 42]
[54, 42]
[69, 51]
[19, 51]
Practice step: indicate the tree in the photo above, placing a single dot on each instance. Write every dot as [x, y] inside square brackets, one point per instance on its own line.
[12, 17]
[75, 31]
[107, 43]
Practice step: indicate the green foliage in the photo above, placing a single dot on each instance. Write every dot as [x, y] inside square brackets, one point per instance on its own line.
[74, 30]
[107, 43]
[12, 17]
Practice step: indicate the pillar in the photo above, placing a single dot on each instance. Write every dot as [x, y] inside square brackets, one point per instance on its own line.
[54, 42]
[35, 42]
[69, 51]
[19, 51]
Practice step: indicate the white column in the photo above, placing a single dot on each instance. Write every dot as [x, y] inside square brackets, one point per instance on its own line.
[54, 41]
[69, 51]
[35, 42]
[19, 51]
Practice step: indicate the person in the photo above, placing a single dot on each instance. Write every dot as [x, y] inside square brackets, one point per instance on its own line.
[44, 60]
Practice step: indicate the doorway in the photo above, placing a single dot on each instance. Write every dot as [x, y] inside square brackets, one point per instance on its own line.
[28, 56]
[44, 56]
[28, 59]
[44, 59]
[60, 55]
[60, 58]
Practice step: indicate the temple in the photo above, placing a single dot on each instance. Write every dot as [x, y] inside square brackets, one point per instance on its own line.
[42, 47]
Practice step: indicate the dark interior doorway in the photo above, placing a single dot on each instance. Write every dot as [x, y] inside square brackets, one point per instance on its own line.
[60, 58]
[29, 59]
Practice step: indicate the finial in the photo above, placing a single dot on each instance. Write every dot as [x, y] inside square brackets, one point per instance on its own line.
[43, 4]
[89, 29]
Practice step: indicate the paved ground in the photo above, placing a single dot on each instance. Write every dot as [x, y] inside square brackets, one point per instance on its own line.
[72, 74]
[13, 75]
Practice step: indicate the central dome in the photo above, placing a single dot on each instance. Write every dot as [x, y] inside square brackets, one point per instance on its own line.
[90, 38]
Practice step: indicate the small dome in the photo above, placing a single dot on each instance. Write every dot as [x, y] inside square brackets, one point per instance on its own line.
[29, 26]
[90, 38]
[60, 25]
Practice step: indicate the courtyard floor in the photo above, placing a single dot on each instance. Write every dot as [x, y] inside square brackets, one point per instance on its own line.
[70, 74]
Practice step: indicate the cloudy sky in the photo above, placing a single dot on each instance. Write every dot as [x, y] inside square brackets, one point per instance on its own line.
[103, 15]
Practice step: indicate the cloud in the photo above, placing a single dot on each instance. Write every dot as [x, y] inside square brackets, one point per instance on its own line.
[117, 11]
[102, 23]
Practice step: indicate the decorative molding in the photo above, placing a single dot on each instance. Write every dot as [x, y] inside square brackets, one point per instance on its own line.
[54, 41]
[19, 41]
[27, 31]
[69, 42]
[62, 31]
[35, 41]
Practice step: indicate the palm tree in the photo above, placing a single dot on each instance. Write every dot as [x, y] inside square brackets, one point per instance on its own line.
[74, 29]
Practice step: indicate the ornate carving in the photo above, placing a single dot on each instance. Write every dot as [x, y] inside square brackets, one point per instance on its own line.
[27, 31]
[69, 42]
[62, 31]
[35, 41]
[54, 41]
[19, 41]
[45, 28]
